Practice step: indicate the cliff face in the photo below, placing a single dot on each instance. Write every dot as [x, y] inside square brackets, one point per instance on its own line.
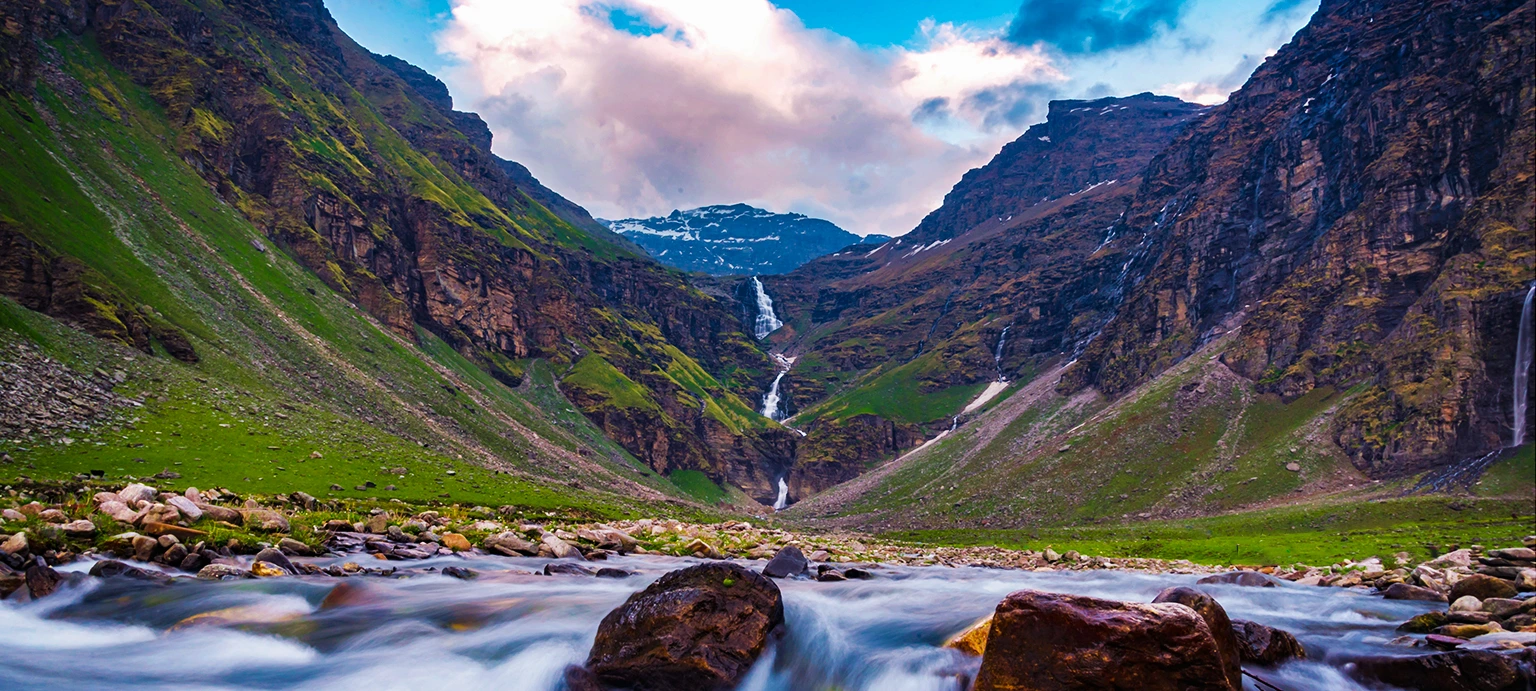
[1363, 206]
[895, 340]
[357, 165]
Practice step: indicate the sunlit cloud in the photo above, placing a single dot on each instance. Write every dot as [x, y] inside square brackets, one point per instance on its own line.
[638, 107]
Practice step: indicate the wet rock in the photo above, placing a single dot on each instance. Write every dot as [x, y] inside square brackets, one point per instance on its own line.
[42, 580]
[859, 574]
[1216, 619]
[1482, 587]
[460, 573]
[1468, 630]
[558, 569]
[144, 547]
[1459, 670]
[697, 628]
[221, 572]
[581, 679]
[114, 569]
[1080, 642]
[613, 573]
[560, 548]
[1404, 591]
[973, 640]
[830, 576]
[174, 555]
[1424, 623]
[1252, 579]
[262, 569]
[194, 562]
[787, 563]
[295, 548]
[276, 558]
[510, 544]
[1265, 645]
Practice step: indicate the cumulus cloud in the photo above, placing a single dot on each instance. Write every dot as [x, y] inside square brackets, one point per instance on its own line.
[694, 102]
[1090, 26]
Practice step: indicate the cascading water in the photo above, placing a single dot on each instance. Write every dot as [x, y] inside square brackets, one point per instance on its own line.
[783, 500]
[997, 355]
[771, 399]
[767, 322]
[1525, 344]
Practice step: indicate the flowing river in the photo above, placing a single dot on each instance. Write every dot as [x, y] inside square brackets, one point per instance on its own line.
[511, 630]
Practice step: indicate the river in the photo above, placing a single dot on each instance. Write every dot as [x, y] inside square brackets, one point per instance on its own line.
[510, 630]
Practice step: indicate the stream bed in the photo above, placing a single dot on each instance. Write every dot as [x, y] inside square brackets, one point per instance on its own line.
[511, 630]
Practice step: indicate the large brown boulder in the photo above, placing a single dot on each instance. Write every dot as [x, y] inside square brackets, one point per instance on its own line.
[1482, 587]
[1458, 670]
[1221, 627]
[1266, 645]
[695, 629]
[1054, 642]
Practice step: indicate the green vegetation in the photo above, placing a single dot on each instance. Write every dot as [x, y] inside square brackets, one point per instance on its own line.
[1317, 535]
[595, 375]
[900, 394]
[699, 486]
[1512, 477]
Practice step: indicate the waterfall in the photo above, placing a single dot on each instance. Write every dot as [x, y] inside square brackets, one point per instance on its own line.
[771, 399]
[767, 322]
[1523, 352]
[997, 355]
[783, 500]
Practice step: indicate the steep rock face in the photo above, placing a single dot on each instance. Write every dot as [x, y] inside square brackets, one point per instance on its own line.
[357, 165]
[1365, 203]
[1019, 245]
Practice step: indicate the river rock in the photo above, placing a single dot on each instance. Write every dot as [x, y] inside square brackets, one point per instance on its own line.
[221, 572]
[221, 513]
[42, 580]
[262, 569]
[613, 573]
[1252, 579]
[1404, 591]
[135, 493]
[265, 520]
[1458, 670]
[80, 528]
[14, 544]
[787, 563]
[699, 628]
[1424, 623]
[186, 508]
[973, 640]
[559, 569]
[456, 542]
[1216, 618]
[111, 568]
[1466, 603]
[511, 544]
[560, 548]
[1066, 642]
[144, 547]
[276, 558]
[1482, 587]
[1265, 645]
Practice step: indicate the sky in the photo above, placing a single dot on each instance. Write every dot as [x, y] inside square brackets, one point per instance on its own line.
[862, 112]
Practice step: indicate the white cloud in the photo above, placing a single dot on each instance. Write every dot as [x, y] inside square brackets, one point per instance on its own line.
[735, 100]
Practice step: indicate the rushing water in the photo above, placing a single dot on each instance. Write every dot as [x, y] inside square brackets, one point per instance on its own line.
[513, 631]
[767, 322]
[783, 500]
[1525, 344]
[771, 399]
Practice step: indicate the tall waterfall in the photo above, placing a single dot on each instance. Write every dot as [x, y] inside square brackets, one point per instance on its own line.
[771, 399]
[997, 355]
[783, 500]
[767, 322]
[1524, 347]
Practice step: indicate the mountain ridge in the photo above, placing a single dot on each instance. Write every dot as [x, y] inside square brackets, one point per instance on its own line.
[727, 239]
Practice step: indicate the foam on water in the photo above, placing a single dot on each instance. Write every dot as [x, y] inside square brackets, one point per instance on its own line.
[510, 629]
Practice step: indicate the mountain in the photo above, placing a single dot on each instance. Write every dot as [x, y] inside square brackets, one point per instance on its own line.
[736, 239]
[252, 202]
[1312, 288]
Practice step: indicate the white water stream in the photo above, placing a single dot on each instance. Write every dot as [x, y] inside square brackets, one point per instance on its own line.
[512, 630]
[1525, 344]
[783, 500]
[767, 322]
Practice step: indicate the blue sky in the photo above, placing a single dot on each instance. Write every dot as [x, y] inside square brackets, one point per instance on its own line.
[861, 111]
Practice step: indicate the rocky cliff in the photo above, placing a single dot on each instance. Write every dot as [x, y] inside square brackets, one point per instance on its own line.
[1363, 208]
[358, 166]
[736, 239]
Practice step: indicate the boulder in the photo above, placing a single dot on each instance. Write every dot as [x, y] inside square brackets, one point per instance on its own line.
[1216, 618]
[973, 640]
[262, 569]
[135, 493]
[42, 580]
[221, 513]
[699, 628]
[559, 569]
[787, 563]
[1458, 670]
[1482, 587]
[110, 568]
[14, 544]
[186, 508]
[221, 572]
[80, 528]
[456, 542]
[1403, 591]
[1264, 645]
[1424, 623]
[511, 544]
[1252, 579]
[276, 558]
[1062, 642]
[560, 548]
